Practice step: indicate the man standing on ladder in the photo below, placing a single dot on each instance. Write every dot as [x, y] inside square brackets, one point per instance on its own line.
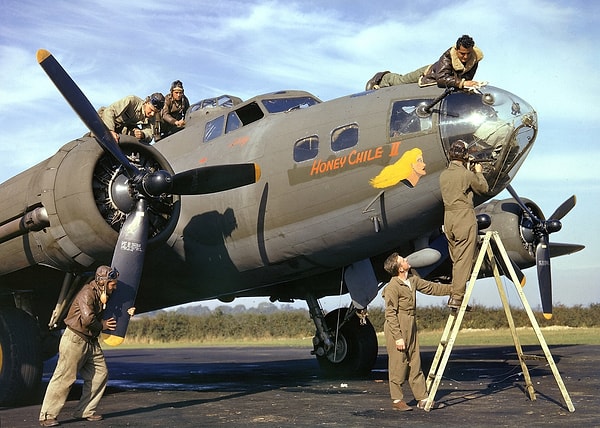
[457, 184]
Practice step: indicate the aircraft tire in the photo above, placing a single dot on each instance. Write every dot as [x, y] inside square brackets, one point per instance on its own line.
[357, 347]
[21, 363]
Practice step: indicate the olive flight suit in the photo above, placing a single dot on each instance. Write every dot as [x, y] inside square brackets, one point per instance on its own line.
[400, 305]
[457, 185]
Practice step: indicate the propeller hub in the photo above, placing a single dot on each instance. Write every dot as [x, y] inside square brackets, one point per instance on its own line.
[157, 183]
[553, 226]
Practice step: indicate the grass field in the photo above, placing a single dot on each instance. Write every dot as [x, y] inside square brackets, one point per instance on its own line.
[526, 335]
[466, 337]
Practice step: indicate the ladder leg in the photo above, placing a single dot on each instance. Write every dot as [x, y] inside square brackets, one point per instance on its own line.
[457, 322]
[440, 349]
[537, 331]
[513, 330]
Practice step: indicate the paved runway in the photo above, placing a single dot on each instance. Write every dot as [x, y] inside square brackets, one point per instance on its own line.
[280, 387]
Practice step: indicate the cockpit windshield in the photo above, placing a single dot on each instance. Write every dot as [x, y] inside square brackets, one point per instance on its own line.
[277, 105]
[498, 127]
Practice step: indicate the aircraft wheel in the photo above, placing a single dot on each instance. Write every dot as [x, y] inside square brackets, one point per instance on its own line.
[356, 347]
[20, 358]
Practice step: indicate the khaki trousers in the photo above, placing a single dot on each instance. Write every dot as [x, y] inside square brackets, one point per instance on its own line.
[393, 79]
[403, 366]
[460, 227]
[76, 356]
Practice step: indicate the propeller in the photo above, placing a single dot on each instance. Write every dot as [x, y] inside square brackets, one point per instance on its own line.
[130, 250]
[541, 231]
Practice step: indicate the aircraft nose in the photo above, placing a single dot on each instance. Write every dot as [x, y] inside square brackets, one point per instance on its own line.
[498, 126]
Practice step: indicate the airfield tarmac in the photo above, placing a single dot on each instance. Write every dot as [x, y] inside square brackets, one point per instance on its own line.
[281, 387]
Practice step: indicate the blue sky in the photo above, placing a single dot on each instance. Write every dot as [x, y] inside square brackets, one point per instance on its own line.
[544, 51]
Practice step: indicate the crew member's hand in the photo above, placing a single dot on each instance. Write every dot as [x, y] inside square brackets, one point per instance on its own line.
[131, 311]
[115, 136]
[109, 324]
[472, 84]
[400, 346]
[138, 133]
[478, 167]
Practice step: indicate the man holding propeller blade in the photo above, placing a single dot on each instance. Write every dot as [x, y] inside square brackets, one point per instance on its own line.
[80, 351]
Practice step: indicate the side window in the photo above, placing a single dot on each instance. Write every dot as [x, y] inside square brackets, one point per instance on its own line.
[344, 137]
[233, 122]
[306, 148]
[214, 128]
[404, 118]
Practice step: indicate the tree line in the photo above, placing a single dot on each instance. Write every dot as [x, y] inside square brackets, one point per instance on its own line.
[223, 323]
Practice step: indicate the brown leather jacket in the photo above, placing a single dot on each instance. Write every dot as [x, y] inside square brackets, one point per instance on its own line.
[449, 71]
[174, 110]
[85, 313]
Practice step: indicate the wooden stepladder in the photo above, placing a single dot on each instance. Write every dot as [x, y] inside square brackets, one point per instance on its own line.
[453, 324]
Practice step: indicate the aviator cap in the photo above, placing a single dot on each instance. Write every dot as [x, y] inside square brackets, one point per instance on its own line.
[157, 100]
[458, 151]
[177, 86]
[104, 273]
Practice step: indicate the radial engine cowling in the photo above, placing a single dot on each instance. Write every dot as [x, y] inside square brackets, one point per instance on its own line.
[514, 228]
[82, 193]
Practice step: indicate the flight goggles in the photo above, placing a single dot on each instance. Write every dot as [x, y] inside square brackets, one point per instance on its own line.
[157, 102]
[113, 274]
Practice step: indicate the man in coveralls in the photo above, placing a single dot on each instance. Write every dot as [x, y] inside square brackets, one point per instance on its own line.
[457, 184]
[400, 329]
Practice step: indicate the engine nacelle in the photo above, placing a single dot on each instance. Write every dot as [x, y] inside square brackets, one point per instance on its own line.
[80, 190]
[514, 227]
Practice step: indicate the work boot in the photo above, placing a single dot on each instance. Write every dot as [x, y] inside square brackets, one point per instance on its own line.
[402, 406]
[374, 82]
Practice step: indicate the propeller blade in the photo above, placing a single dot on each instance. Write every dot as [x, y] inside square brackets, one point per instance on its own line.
[128, 258]
[542, 258]
[521, 203]
[557, 249]
[82, 106]
[564, 208]
[211, 179]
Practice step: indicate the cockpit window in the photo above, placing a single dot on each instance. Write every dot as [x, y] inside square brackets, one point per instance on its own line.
[277, 105]
[344, 137]
[306, 148]
[404, 119]
[214, 128]
[225, 101]
[233, 122]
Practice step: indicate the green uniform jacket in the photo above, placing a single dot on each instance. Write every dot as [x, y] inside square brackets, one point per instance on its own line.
[457, 184]
[400, 305]
[124, 115]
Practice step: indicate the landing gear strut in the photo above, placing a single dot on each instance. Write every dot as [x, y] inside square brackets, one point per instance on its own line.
[344, 344]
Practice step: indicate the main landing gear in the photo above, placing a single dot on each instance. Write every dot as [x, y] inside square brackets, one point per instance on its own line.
[345, 342]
